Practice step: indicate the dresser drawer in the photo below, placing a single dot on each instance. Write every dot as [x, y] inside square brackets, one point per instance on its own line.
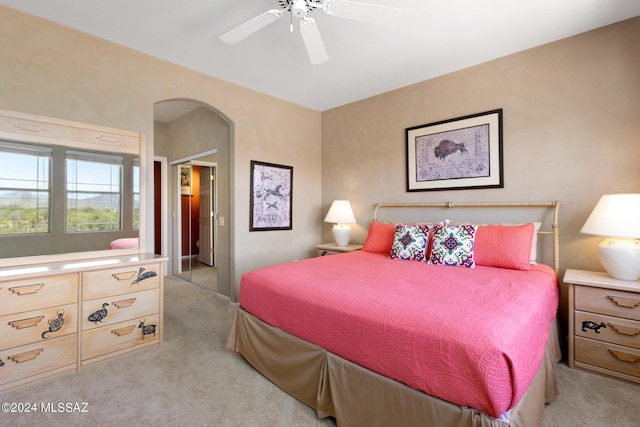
[104, 283]
[609, 356]
[606, 328]
[118, 336]
[38, 325]
[119, 308]
[22, 295]
[608, 301]
[33, 359]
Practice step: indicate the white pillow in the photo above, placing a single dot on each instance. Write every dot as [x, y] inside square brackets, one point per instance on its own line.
[453, 245]
[410, 242]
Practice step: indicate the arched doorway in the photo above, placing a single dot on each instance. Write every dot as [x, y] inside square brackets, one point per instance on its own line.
[191, 136]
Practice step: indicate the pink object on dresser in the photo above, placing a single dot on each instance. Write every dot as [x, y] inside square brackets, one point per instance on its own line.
[124, 243]
[474, 337]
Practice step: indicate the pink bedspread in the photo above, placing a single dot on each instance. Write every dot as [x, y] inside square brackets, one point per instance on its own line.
[473, 337]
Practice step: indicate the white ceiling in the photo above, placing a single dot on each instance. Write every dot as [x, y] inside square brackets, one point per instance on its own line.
[433, 38]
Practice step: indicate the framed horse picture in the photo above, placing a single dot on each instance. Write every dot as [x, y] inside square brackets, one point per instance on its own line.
[271, 197]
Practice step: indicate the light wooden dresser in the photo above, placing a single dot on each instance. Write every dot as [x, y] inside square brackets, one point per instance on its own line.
[604, 324]
[59, 317]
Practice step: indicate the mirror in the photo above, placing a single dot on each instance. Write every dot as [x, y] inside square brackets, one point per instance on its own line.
[196, 221]
[68, 188]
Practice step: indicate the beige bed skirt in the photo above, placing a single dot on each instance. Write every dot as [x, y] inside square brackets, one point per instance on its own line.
[356, 396]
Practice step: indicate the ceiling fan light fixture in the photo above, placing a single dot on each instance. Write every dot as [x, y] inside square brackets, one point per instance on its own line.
[299, 8]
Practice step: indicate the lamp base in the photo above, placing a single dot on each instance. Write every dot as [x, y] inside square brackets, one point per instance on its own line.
[621, 258]
[341, 234]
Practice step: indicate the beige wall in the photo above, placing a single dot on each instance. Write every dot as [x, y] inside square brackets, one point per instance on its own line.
[55, 71]
[571, 126]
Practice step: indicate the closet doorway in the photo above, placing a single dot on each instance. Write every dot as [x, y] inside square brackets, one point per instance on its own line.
[196, 220]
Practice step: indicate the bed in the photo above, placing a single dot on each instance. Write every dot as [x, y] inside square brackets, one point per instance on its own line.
[386, 336]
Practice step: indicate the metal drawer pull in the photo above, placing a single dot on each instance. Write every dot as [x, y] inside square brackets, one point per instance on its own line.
[26, 323]
[625, 330]
[624, 302]
[124, 303]
[28, 289]
[26, 356]
[625, 357]
[124, 275]
[123, 331]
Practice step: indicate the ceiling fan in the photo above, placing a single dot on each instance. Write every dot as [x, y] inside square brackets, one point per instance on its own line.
[364, 12]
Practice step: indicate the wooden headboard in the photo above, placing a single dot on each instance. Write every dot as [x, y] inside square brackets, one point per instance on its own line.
[554, 206]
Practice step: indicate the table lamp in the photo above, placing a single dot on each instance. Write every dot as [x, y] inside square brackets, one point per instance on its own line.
[617, 217]
[341, 214]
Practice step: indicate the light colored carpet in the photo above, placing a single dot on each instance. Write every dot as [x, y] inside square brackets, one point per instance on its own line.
[192, 380]
[205, 276]
[199, 273]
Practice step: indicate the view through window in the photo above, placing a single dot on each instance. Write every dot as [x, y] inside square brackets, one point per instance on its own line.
[24, 188]
[93, 191]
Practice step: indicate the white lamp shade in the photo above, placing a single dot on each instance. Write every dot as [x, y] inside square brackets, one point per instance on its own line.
[340, 212]
[615, 215]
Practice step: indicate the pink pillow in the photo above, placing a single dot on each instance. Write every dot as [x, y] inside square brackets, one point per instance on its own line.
[504, 246]
[380, 238]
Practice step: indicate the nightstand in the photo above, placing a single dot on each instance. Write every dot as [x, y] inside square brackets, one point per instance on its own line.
[334, 249]
[604, 324]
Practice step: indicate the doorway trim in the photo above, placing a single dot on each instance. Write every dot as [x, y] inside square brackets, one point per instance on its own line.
[194, 157]
[164, 208]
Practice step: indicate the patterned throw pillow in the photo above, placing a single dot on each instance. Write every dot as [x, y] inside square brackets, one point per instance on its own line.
[453, 245]
[410, 242]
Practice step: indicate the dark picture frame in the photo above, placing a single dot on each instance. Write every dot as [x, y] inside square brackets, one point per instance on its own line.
[456, 154]
[271, 206]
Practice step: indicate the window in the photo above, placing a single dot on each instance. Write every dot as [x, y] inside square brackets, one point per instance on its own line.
[94, 187]
[136, 193]
[24, 188]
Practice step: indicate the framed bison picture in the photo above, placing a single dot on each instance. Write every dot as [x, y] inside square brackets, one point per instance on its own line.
[456, 154]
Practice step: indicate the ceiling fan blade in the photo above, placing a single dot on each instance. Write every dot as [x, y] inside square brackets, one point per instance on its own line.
[245, 30]
[313, 41]
[364, 12]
